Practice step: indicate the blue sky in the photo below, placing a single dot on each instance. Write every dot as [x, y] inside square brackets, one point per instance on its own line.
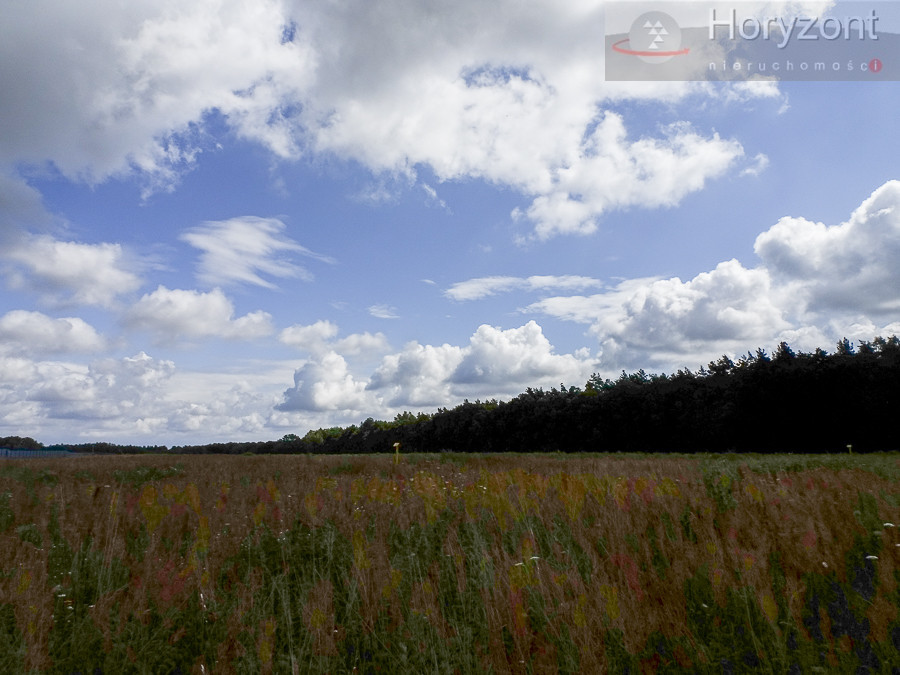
[214, 227]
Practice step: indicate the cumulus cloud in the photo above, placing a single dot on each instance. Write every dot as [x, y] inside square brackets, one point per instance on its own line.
[419, 375]
[120, 86]
[495, 363]
[311, 338]
[68, 272]
[319, 337]
[517, 102]
[33, 333]
[815, 284]
[142, 399]
[357, 344]
[226, 406]
[515, 358]
[176, 314]
[669, 323]
[475, 289]
[105, 390]
[853, 266]
[507, 92]
[239, 250]
[610, 171]
[326, 384]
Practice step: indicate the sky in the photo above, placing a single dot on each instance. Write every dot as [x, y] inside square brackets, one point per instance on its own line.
[231, 221]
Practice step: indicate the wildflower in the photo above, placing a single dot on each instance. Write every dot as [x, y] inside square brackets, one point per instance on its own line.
[824, 564]
[889, 525]
[871, 557]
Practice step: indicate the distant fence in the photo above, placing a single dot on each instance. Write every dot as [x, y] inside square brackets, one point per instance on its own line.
[29, 454]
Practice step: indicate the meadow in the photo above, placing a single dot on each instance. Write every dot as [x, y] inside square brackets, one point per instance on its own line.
[450, 563]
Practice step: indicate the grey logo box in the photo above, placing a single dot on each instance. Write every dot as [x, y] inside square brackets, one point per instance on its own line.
[743, 41]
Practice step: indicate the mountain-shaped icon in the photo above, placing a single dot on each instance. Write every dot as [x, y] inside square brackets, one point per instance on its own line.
[657, 30]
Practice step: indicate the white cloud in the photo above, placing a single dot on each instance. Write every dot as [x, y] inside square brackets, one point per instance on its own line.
[326, 384]
[816, 283]
[612, 172]
[507, 92]
[319, 337]
[475, 289]
[118, 86]
[31, 333]
[511, 360]
[219, 406]
[108, 389]
[174, 315]
[144, 400]
[668, 324]
[419, 375]
[240, 249]
[384, 312]
[495, 363]
[516, 102]
[357, 344]
[854, 266]
[69, 272]
[312, 338]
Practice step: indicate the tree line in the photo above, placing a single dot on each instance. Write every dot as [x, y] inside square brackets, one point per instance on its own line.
[783, 402]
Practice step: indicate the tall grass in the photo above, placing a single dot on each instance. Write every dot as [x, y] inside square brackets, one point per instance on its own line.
[450, 564]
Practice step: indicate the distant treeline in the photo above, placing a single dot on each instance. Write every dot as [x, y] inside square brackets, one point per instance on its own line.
[26, 443]
[786, 402]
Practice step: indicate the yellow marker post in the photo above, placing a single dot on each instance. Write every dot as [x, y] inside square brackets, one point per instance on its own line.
[396, 453]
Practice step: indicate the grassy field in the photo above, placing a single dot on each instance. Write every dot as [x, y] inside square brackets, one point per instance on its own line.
[450, 564]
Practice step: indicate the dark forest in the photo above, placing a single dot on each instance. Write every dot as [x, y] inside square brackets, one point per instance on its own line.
[816, 402]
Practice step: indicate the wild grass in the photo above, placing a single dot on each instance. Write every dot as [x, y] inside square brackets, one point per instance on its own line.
[450, 564]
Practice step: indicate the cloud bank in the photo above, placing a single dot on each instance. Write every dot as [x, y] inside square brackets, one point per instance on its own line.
[518, 102]
[815, 283]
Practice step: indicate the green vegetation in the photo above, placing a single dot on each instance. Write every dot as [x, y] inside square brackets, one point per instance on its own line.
[487, 563]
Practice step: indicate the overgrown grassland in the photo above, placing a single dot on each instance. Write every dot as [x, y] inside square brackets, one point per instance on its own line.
[450, 564]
